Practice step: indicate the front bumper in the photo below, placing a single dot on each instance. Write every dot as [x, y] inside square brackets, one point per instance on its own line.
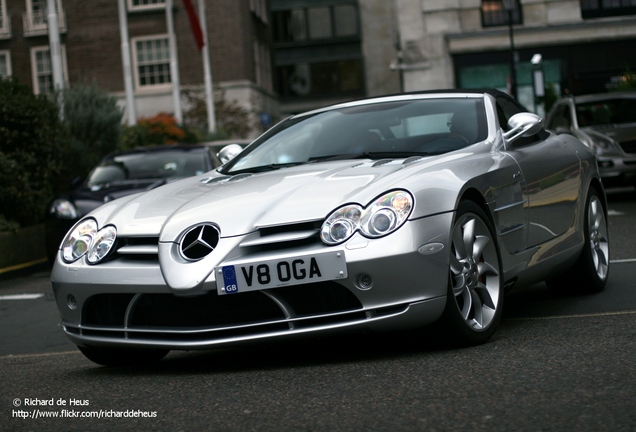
[126, 302]
[617, 171]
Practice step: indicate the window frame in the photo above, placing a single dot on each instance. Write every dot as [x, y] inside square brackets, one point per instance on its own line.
[5, 21]
[34, 66]
[161, 4]
[7, 56]
[305, 19]
[135, 64]
[498, 12]
[39, 27]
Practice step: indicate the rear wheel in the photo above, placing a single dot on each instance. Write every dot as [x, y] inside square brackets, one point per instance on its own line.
[475, 295]
[107, 356]
[589, 273]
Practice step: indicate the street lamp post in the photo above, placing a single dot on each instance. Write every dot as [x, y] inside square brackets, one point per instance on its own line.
[509, 6]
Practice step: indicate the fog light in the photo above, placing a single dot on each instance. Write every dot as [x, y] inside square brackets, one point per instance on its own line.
[364, 282]
[71, 302]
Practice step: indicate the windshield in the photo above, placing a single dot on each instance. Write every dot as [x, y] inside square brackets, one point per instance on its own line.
[610, 111]
[148, 166]
[389, 129]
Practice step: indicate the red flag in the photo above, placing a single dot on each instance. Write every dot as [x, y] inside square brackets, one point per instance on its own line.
[194, 23]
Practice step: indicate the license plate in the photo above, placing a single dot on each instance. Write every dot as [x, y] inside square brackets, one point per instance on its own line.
[242, 277]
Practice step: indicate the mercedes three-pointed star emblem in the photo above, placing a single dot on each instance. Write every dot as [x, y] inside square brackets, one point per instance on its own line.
[199, 241]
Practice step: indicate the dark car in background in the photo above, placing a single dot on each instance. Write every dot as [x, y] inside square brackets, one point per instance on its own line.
[124, 173]
[607, 124]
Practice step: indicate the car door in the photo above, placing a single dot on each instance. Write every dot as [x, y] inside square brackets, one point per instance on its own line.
[551, 173]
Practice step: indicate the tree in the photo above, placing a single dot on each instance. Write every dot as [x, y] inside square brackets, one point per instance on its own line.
[232, 120]
[93, 121]
[33, 146]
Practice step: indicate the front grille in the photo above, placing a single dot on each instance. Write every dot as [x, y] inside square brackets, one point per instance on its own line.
[136, 248]
[274, 238]
[629, 146]
[213, 317]
[211, 310]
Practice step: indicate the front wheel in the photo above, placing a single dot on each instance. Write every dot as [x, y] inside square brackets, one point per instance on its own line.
[475, 295]
[107, 356]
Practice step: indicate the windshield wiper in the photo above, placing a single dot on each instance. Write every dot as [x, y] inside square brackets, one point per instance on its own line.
[265, 168]
[370, 155]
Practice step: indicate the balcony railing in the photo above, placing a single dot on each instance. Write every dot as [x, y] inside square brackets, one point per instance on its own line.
[36, 23]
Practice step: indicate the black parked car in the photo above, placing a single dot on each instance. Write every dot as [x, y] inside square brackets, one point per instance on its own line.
[606, 123]
[125, 173]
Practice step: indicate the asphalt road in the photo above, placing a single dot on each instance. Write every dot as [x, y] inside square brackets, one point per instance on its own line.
[555, 364]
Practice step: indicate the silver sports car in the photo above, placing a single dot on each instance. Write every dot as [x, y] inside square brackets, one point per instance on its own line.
[386, 214]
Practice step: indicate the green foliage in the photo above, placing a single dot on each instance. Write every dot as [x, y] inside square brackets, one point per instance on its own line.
[157, 130]
[7, 225]
[551, 96]
[232, 120]
[132, 136]
[33, 145]
[627, 82]
[93, 121]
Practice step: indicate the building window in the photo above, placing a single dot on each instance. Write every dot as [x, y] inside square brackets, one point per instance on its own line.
[42, 69]
[37, 10]
[5, 64]
[495, 13]
[316, 23]
[329, 78]
[137, 5]
[345, 20]
[607, 8]
[35, 20]
[152, 62]
[5, 21]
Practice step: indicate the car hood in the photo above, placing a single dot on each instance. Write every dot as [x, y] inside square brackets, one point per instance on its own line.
[87, 198]
[618, 132]
[243, 203]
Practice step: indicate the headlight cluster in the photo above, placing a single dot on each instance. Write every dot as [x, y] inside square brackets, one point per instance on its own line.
[86, 239]
[383, 216]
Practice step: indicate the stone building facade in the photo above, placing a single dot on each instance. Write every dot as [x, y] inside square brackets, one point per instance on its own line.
[585, 46]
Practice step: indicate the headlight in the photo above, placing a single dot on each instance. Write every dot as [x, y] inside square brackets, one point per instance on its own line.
[85, 239]
[102, 244]
[381, 217]
[602, 146]
[63, 209]
[78, 241]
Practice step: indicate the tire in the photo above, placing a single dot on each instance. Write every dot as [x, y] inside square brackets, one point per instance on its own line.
[589, 274]
[475, 290]
[107, 356]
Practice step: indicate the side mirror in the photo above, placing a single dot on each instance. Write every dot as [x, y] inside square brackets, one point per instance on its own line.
[229, 152]
[522, 125]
